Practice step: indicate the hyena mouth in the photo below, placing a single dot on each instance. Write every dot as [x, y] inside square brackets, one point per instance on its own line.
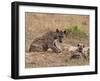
[60, 41]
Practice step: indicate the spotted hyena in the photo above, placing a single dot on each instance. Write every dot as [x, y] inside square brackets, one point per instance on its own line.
[80, 51]
[48, 40]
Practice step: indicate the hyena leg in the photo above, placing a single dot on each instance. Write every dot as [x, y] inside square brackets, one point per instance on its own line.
[35, 47]
[55, 49]
[56, 44]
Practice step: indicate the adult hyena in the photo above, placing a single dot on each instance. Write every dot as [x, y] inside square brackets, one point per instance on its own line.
[48, 40]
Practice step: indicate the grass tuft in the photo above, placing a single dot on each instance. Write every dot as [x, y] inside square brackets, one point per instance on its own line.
[75, 32]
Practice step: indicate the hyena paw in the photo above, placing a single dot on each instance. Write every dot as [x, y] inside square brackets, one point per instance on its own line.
[59, 51]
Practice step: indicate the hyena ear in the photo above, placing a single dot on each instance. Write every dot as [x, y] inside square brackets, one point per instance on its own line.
[57, 30]
[64, 31]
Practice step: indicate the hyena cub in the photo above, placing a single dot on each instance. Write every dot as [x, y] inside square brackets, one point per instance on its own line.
[79, 51]
[48, 40]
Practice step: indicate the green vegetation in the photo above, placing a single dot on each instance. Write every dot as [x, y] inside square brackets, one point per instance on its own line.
[75, 32]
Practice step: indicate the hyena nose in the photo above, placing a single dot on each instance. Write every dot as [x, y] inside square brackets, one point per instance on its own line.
[60, 41]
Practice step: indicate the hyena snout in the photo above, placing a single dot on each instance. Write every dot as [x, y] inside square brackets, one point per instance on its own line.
[81, 47]
[60, 41]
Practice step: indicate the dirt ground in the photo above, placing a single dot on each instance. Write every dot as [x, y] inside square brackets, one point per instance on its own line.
[36, 24]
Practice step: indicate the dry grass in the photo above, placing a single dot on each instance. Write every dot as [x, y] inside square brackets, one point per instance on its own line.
[37, 24]
[50, 59]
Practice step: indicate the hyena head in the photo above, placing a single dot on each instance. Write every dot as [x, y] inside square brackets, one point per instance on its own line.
[60, 35]
[80, 47]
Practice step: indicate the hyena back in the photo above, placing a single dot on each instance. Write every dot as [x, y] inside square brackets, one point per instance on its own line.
[48, 40]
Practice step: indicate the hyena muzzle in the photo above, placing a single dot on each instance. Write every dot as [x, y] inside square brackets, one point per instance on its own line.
[48, 40]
